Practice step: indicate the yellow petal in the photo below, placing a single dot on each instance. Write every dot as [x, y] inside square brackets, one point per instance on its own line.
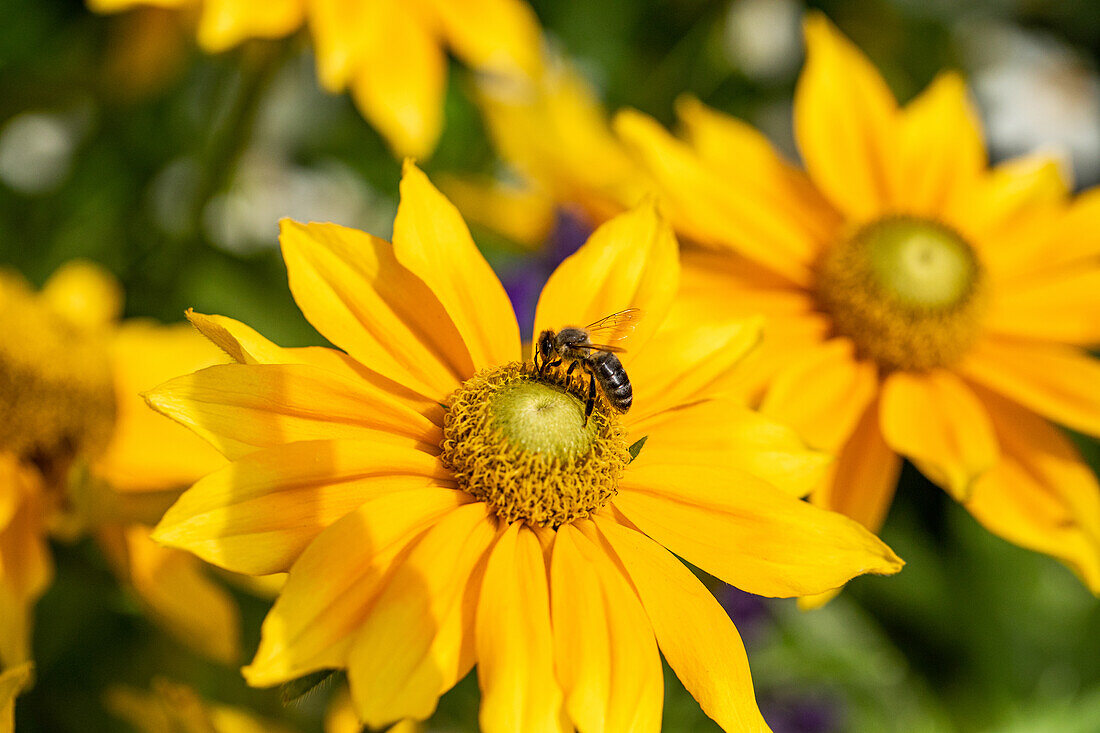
[494, 36]
[522, 214]
[1041, 494]
[694, 633]
[342, 30]
[747, 532]
[26, 569]
[683, 363]
[85, 294]
[334, 582]
[146, 451]
[257, 514]
[1058, 382]
[1004, 194]
[1062, 306]
[822, 394]
[629, 262]
[353, 289]
[724, 284]
[711, 209]
[940, 149]
[400, 80]
[606, 655]
[417, 640]
[12, 682]
[115, 6]
[515, 647]
[179, 596]
[225, 23]
[845, 121]
[721, 432]
[432, 241]
[241, 407]
[934, 420]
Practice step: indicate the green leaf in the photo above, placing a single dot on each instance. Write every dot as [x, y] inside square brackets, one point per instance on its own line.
[635, 449]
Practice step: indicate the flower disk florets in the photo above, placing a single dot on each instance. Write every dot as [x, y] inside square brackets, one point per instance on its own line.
[518, 441]
[907, 291]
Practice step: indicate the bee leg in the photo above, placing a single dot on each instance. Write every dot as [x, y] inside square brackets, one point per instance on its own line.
[550, 365]
[569, 372]
[591, 398]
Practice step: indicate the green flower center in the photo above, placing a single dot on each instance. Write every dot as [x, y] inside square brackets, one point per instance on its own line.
[519, 442]
[907, 291]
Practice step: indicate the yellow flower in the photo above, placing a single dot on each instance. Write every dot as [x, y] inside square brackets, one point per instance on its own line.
[79, 450]
[439, 504]
[919, 303]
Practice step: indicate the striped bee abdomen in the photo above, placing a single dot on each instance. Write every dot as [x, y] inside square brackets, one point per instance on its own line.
[612, 377]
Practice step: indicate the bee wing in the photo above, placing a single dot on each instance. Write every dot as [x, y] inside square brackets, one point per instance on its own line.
[615, 327]
[603, 347]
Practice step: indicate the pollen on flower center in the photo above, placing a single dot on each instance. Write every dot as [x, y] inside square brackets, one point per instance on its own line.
[907, 291]
[518, 441]
[56, 392]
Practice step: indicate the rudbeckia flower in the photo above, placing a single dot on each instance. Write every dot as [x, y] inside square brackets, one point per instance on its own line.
[79, 451]
[920, 303]
[439, 502]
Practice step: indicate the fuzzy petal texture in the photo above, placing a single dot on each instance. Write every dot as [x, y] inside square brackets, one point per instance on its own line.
[225, 23]
[493, 36]
[747, 532]
[417, 641]
[332, 585]
[935, 420]
[515, 645]
[694, 633]
[256, 515]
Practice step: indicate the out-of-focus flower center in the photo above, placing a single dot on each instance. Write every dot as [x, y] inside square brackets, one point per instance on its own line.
[519, 442]
[57, 397]
[907, 291]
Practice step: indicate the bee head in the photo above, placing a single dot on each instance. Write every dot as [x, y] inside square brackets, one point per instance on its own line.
[546, 346]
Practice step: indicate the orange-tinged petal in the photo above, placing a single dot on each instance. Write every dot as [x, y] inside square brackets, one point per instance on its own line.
[353, 289]
[12, 682]
[494, 36]
[26, 569]
[1041, 494]
[239, 408]
[1058, 382]
[845, 122]
[722, 432]
[182, 598]
[612, 679]
[693, 631]
[941, 153]
[400, 78]
[225, 23]
[747, 532]
[417, 640]
[432, 241]
[629, 262]
[333, 583]
[257, 514]
[934, 420]
[822, 394]
[515, 646]
[1062, 306]
[710, 209]
[146, 451]
[1004, 194]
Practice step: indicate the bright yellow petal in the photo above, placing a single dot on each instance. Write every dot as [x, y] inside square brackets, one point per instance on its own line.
[515, 646]
[629, 262]
[1041, 495]
[400, 79]
[1062, 307]
[146, 451]
[723, 284]
[845, 122]
[711, 209]
[934, 420]
[12, 682]
[84, 293]
[723, 433]
[747, 532]
[432, 241]
[356, 293]
[694, 633]
[524, 215]
[180, 597]
[333, 583]
[239, 408]
[941, 153]
[257, 514]
[1004, 194]
[822, 394]
[417, 640]
[225, 23]
[1058, 382]
[607, 658]
[493, 36]
[26, 569]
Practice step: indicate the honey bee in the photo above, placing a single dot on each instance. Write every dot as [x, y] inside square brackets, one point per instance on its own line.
[593, 350]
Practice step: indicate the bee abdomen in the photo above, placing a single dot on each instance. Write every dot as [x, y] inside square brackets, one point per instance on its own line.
[612, 378]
